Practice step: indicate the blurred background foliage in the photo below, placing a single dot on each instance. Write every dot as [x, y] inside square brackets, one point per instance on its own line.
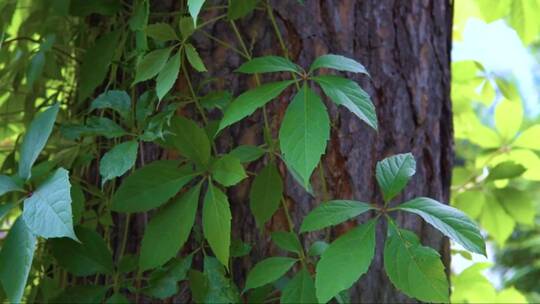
[495, 86]
[495, 89]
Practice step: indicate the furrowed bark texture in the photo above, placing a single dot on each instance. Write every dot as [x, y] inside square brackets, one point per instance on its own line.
[405, 45]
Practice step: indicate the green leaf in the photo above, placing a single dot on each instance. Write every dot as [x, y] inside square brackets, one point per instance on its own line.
[194, 7]
[496, 221]
[168, 230]
[47, 212]
[505, 170]
[265, 194]
[269, 64]
[82, 294]
[116, 100]
[118, 160]
[16, 256]
[161, 32]
[168, 75]
[219, 288]
[414, 269]
[529, 138]
[35, 68]
[240, 8]
[349, 94]
[317, 248]
[337, 62]
[35, 139]
[186, 27]
[95, 126]
[268, 270]
[518, 204]
[239, 248]
[287, 241]
[5, 209]
[151, 186]
[216, 220]
[247, 153]
[249, 101]
[96, 62]
[394, 172]
[227, 170]
[349, 256]
[450, 221]
[163, 282]
[194, 58]
[216, 100]
[507, 127]
[117, 298]
[190, 140]
[304, 133]
[471, 202]
[8, 184]
[301, 289]
[151, 64]
[87, 257]
[139, 17]
[332, 213]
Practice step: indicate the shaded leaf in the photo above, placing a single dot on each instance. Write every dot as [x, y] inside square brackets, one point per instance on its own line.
[216, 220]
[228, 171]
[268, 64]
[337, 62]
[301, 289]
[287, 241]
[332, 213]
[268, 270]
[116, 100]
[190, 140]
[168, 75]
[151, 64]
[161, 32]
[118, 160]
[265, 194]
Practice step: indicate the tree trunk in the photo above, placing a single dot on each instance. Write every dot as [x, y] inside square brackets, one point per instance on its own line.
[405, 46]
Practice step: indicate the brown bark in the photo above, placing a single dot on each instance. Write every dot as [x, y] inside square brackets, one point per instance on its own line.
[405, 46]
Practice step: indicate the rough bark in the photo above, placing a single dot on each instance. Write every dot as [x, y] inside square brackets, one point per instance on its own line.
[405, 45]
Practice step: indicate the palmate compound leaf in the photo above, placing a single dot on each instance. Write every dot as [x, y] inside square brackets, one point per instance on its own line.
[268, 271]
[249, 101]
[168, 230]
[16, 255]
[151, 64]
[227, 170]
[304, 133]
[47, 212]
[216, 220]
[349, 94]
[35, 139]
[268, 64]
[151, 186]
[332, 213]
[450, 221]
[394, 172]
[349, 256]
[414, 269]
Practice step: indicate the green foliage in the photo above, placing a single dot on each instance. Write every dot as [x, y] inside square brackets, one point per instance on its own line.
[109, 114]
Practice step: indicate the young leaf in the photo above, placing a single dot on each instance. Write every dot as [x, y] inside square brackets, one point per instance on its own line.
[167, 77]
[216, 220]
[505, 170]
[96, 62]
[349, 256]
[228, 171]
[194, 7]
[268, 270]
[332, 213]
[268, 64]
[151, 186]
[287, 241]
[194, 58]
[16, 255]
[450, 221]
[301, 289]
[151, 64]
[168, 230]
[337, 62]
[249, 101]
[304, 133]
[394, 172]
[496, 221]
[7, 184]
[161, 32]
[47, 212]
[87, 257]
[265, 194]
[35, 139]
[508, 128]
[116, 100]
[349, 94]
[529, 138]
[247, 153]
[414, 269]
[190, 140]
[118, 160]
